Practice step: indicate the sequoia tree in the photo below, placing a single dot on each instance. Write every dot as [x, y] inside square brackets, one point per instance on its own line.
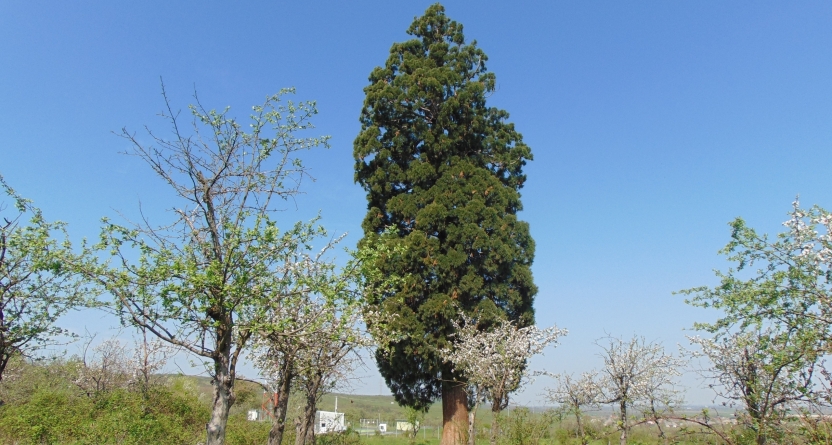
[442, 172]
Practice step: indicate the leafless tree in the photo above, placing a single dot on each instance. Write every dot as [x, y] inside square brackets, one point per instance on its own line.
[575, 394]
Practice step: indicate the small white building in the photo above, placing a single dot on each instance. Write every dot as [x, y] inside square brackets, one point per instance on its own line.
[329, 422]
[403, 425]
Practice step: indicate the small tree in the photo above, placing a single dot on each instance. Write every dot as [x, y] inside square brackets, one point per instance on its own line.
[206, 280]
[36, 283]
[414, 417]
[326, 362]
[575, 394]
[494, 361]
[636, 372]
[311, 342]
[104, 367]
[764, 373]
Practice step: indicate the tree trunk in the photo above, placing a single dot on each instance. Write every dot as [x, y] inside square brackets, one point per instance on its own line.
[495, 424]
[581, 435]
[280, 408]
[223, 400]
[304, 424]
[307, 421]
[454, 414]
[472, 432]
[623, 407]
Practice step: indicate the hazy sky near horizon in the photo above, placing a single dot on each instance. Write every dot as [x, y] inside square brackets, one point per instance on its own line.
[653, 124]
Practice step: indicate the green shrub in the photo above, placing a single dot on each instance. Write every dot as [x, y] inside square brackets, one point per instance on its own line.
[241, 431]
[522, 427]
[44, 406]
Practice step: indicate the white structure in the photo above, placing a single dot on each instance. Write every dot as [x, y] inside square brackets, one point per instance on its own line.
[252, 415]
[329, 422]
[403, 425]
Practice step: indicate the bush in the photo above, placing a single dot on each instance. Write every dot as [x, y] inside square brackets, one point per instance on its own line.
[44, 406]
[522, 427]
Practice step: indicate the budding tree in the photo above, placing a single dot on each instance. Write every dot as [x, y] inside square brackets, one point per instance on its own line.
[205, 280]
[494, 361]
[325, 363]
[310, 341]
[574, 394]
[637, 372]
[36, 283]
[764, 373]
[777, 312]
[790, 287]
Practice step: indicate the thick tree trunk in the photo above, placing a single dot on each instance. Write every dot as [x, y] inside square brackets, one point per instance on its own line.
[224, 376]
[223, 400]
[304, 424]
[454, 414]
[623, 407]
[280, 408]
[279, 418]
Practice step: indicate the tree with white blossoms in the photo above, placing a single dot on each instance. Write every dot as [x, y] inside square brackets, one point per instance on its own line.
[782, 287]
[111, 364]
[791, 287]
[310, 345]
[765, 374]
[205, 280]
[327, 364]
[103, 367]
[574, 394]
[150, 354]
[637, 373]
[494, 360]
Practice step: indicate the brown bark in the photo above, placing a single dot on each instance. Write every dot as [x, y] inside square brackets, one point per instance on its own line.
[578, 419]
[454, 414]
[624, 427]
[495, 423]
[306, 425]
[282, 405]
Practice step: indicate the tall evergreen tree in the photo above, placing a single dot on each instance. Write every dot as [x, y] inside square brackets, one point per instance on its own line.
[444, 171]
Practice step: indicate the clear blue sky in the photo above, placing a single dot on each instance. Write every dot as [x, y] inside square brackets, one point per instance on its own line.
[652, 124]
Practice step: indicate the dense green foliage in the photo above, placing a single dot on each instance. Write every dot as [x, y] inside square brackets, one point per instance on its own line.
[444, 171]
[44, 405]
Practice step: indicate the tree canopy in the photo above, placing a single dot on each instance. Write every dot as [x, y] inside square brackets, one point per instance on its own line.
[36, 281]
[443, 171]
